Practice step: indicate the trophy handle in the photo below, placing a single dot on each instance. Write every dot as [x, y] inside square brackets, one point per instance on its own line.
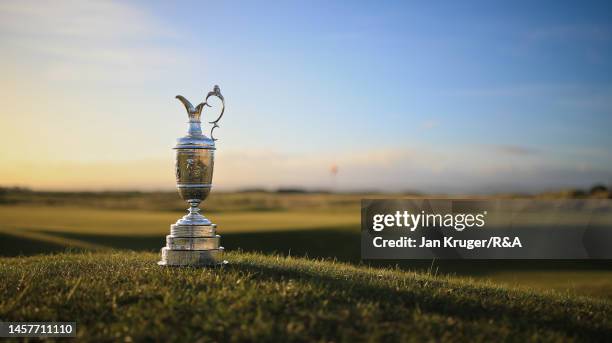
[216, 92]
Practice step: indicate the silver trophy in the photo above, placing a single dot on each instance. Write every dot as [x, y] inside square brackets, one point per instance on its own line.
[193, 240]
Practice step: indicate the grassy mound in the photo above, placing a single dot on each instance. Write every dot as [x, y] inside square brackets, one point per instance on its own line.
[113, 296]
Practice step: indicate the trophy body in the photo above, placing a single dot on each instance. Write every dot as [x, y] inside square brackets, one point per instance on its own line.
[193, 240]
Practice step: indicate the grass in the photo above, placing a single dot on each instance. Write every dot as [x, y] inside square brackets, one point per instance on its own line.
[123, 295]
[300, 229]
[126, 296]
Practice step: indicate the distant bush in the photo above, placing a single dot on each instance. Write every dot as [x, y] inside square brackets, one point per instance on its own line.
[292, 190]
[597, 189]
[252, 190]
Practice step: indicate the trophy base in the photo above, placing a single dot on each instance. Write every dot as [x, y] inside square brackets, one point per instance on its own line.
[177, 230]
[194, 258]
[192, 245]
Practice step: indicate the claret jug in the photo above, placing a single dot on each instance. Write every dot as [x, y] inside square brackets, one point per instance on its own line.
[193, 240]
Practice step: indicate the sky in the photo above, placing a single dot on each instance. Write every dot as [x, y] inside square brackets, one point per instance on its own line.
[449, 97]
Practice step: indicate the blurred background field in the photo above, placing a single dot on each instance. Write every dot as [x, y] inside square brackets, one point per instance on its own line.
[321, 225]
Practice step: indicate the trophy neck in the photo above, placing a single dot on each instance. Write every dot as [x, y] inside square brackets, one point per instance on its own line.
[195, 128]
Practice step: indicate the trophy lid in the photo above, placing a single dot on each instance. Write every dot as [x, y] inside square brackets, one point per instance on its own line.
[195, 141]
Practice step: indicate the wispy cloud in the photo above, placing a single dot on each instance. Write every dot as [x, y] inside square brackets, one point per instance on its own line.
[76, 19]
[74, 40]
[458, 169]
[592, 33]
[461, 170]
[430, 124]
[516, 150]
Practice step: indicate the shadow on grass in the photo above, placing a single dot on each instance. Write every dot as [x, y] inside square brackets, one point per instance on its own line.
[341, 243]
[15, 246]
[542, 313]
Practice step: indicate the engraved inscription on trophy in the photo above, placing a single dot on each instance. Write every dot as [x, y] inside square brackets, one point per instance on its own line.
[193, 166]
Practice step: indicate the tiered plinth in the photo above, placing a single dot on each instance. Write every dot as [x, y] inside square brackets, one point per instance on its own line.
[192, 245]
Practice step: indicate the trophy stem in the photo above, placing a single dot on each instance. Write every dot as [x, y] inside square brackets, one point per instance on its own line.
[194, 209]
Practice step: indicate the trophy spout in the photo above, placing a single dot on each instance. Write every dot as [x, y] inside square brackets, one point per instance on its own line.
[194, 113]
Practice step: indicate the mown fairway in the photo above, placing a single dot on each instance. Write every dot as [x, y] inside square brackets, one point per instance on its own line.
[124, 296]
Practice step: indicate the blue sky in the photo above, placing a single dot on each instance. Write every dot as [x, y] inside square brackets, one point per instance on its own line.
[437, 97]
